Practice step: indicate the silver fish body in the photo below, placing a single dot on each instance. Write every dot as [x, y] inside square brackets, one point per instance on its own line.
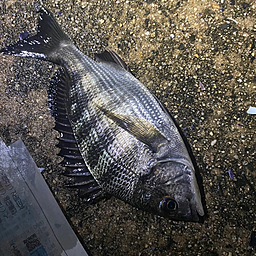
[128, 141]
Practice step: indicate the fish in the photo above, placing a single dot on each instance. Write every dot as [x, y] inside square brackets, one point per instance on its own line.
[116, 138]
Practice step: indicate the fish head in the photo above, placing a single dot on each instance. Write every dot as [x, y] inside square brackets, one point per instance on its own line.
[170, 190]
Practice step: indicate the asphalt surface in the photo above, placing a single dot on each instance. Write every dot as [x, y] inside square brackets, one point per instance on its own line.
[198, 58]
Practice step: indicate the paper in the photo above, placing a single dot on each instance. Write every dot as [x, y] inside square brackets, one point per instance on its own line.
[31, 222]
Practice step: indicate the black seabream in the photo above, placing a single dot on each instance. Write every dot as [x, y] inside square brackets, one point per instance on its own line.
[116, 137]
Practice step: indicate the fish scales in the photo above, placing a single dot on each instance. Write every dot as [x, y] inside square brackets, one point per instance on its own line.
[127, 140]
[105, 88]
[95, 136]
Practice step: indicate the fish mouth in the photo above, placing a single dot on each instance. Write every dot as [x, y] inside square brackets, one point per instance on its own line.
[191, 215]
[195, 217]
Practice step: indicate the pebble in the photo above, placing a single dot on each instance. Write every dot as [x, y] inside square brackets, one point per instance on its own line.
[213, 142]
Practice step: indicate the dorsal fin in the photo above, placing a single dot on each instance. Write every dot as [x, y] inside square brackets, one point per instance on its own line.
[111, 57]
[80, 176]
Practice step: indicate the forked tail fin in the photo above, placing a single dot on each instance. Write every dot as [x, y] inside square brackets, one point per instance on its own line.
[44, 44]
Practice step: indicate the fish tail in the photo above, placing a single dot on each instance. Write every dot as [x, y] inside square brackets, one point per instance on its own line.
[45, 43]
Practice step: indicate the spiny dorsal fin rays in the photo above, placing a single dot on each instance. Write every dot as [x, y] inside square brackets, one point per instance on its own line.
[139, 128]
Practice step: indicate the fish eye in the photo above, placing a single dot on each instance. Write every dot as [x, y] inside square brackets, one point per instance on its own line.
[171, 204]
[168, 204]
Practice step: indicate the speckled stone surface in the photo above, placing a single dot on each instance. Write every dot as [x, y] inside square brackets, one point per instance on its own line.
[198, 58]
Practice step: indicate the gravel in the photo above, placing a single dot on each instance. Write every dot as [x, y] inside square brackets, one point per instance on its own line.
[174, 48]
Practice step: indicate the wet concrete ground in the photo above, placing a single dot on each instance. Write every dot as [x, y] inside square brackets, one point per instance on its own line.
[198, 58]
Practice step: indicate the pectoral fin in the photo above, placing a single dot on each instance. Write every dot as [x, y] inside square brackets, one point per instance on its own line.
[141, 129]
